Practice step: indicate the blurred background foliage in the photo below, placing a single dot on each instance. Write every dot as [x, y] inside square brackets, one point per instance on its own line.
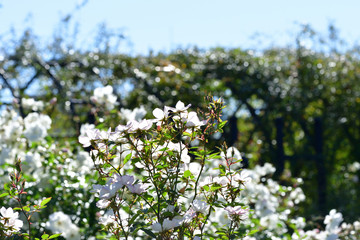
[295, 107]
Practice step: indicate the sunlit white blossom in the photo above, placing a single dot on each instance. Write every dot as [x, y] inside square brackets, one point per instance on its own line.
[32, 104]
[36, 126]
[333, 221]
[167, 224]
[104, 96]
[59, 222]
[200, 206]
[9, 219]
[135, 114]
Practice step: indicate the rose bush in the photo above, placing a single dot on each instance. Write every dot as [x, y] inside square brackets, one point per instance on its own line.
[146, 179]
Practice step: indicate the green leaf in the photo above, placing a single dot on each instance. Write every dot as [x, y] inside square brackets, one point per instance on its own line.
[148, 232]
[26, 208]
[214, 156]
[252, 232]
[4, 195]
[133, 219]
[45, 201]
[206, 188]
[187, 173]
[214, 188]
[54, 235]
[45, 236]
[222, 169]
[221, 125]
[127, 158]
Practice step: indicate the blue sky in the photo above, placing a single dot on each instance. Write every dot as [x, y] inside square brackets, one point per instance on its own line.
[163, 25]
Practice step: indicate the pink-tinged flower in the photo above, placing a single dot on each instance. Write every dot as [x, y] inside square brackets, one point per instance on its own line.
[145, 124]
[124, 180]
[96, 188]
[91, 134]
[236, 213]
[189, 215]
[170, 224]
[116, 137]
[108, 218]
[103, 203]
[104, 135]
[137, 188]
[239, 179]
[156, 227]
[121, 128]
[109, 190]
[132, 125]
[112, 186]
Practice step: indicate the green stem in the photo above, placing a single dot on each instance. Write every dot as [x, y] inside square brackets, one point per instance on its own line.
[201, 170]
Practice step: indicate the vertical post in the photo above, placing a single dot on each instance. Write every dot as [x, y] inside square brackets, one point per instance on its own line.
[320, 164]
[234, 131]
[280, 156]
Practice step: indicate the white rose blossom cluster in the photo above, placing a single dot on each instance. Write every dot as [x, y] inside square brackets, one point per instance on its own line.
[268, 199]
[36, 126]
[136, 114]
[332, 229]
[11, 130]
[32, 104]
[16, 134]
[60, 222]
[104, 96]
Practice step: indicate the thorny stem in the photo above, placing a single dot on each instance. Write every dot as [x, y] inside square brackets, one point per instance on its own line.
[27, 217]
[19, 192]
[206, 218]
[201, 170]
[230, 229]
[151, 172]
[121, 225]
[178, 164]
